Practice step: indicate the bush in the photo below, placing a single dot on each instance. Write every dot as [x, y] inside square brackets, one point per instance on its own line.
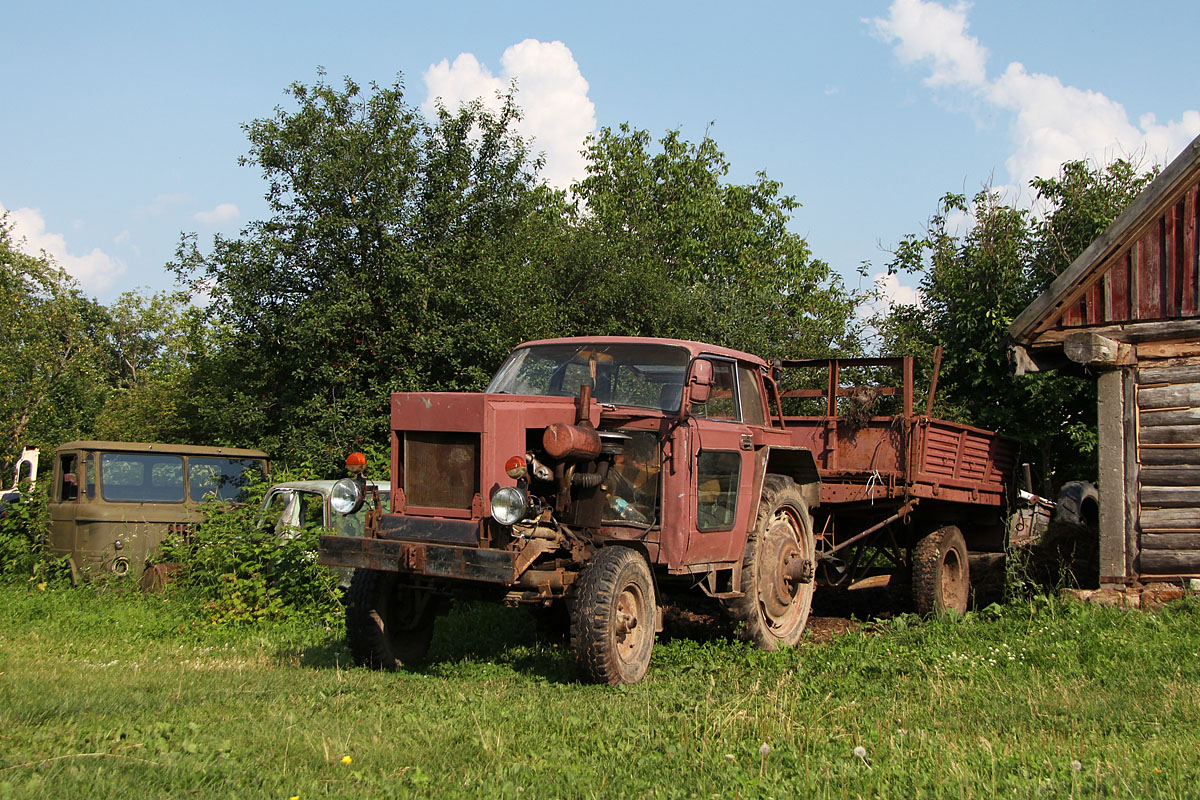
[24, 530]
[238, 573]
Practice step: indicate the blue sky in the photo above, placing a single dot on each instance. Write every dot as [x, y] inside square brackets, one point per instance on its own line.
[122, 124]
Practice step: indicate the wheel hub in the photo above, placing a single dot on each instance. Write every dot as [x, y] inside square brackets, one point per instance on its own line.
[782, 568]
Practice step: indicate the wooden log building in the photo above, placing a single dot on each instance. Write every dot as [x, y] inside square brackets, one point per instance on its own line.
[1128, 312]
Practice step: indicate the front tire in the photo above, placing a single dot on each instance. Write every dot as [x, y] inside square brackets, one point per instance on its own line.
[387, 626]
[613, 616]
[941, 573]
[777, 569]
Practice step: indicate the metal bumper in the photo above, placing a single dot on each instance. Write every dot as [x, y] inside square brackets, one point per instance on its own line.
[420, 558]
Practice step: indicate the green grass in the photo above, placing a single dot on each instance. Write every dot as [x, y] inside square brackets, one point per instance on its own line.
[115, 694]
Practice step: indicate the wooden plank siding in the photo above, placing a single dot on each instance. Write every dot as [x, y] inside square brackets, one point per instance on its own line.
[1153, 278]
[1168, 432]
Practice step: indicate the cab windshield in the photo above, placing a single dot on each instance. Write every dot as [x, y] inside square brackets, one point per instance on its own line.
[641, 375]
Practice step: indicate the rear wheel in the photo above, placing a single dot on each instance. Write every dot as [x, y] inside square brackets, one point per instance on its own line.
[613, 616]
[941, 573]
[777, 569]
[387, 626]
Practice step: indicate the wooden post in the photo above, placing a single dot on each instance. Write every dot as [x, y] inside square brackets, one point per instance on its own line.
[1111, 410]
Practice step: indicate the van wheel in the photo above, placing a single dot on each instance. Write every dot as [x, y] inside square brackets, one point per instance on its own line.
[613, 617]
[777, 569]
[941, 581]
[387, 626]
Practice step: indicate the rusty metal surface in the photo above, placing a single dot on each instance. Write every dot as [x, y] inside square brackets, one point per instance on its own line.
[441, 469]
[571, 442]
[434, 560]
[428, 529]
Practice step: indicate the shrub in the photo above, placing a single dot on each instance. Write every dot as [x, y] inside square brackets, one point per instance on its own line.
[239, 573]
[24, 530]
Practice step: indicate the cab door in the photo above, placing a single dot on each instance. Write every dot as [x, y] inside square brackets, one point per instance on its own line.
[723, 464]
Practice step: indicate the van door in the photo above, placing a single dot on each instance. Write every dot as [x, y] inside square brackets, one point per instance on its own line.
[64, 501]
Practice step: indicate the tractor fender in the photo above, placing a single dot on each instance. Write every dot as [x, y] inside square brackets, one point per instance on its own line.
[798, 464]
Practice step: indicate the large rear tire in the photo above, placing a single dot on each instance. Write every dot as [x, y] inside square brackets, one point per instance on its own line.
[613, 617]
[941, 573]
[777, 569]
[387, 626]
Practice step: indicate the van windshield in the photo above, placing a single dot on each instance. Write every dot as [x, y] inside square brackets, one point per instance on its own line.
[221, 478]
[620, 374]
[141, 478]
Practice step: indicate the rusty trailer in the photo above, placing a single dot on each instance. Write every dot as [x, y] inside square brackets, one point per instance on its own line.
[890, 481]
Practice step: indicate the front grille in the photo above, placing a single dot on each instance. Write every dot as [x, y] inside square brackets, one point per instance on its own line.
[441, 470]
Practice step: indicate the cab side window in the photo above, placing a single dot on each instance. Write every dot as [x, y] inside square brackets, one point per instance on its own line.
[68, 487]
[750, 393]
[723, 401]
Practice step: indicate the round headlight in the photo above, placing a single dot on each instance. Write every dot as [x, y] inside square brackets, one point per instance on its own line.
[346, 497]
[509, 505]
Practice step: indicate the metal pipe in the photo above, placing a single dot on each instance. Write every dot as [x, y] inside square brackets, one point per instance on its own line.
[904, 509]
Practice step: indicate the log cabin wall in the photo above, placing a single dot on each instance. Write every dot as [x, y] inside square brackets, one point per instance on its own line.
[1127, 312]
[1168, 469]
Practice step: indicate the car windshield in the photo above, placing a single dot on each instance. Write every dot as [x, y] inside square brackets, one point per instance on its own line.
[621, 374]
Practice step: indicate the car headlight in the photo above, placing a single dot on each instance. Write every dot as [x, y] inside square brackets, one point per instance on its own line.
[509, 505]
[346, 497]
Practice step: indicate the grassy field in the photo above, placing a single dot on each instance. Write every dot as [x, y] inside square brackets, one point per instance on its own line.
[114, 694]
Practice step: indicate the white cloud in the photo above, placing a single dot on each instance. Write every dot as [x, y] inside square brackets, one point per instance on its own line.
[1052, 123]
[930, 32]
[96, 271]
[225, 212]
[893, 293]
[551, 92]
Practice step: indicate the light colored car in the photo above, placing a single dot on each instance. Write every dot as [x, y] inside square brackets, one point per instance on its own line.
[305, 504]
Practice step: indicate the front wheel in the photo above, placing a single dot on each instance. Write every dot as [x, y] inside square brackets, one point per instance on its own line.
[777, 569]
[613, 616]
[941, 581]
[387, 626]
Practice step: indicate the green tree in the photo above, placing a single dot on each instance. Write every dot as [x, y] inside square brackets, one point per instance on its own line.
[673, 249]
[399, 255]
[980, 264]
[404, 253]
[51, 375]
[151, 345]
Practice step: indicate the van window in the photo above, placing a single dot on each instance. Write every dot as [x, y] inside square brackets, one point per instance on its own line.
[68, 488]
[141, 478]
[221, 478]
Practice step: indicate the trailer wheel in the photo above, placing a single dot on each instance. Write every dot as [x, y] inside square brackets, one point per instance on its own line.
[387, 626]
[941, 581]
[777, 569]
[613, 617]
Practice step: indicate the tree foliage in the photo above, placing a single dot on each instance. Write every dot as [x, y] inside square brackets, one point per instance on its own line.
[980, 264]
[51, 375]
[678, 251]
[404, 253]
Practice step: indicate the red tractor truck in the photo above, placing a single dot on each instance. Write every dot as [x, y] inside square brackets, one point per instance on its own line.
[601, 472]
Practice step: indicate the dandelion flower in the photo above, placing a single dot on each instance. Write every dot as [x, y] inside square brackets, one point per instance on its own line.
[346, 760]
[764, 749]
[860, 751]
[1075, 765]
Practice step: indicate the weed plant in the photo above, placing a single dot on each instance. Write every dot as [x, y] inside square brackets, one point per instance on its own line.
[115, 694]
[235, 572]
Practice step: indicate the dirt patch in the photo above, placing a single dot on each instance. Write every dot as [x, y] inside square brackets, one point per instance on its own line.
[835, 612]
